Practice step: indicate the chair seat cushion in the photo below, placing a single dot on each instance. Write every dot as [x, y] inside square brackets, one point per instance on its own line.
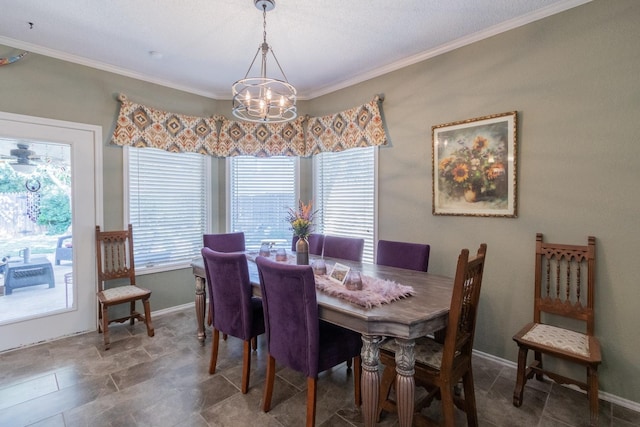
[122, 292]
[427, 351]
[558, 338]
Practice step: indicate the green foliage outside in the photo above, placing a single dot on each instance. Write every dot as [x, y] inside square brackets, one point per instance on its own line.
[54, 203]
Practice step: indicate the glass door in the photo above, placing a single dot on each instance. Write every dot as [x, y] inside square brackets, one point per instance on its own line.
[36, 237]
[47, 221]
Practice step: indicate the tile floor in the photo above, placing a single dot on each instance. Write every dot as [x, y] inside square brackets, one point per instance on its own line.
[163, 381]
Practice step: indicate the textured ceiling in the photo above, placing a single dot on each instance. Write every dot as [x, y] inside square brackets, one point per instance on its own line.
[206, 45]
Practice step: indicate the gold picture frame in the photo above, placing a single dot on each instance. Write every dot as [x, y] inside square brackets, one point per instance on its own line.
[474, 166]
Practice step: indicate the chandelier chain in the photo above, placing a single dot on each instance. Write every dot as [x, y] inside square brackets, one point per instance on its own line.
[264, 23]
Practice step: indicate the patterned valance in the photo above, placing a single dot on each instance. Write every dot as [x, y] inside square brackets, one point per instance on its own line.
[142, 126]
[239, 138]
[357, 127]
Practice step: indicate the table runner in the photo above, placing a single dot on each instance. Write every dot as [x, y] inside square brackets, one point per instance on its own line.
[374, 292]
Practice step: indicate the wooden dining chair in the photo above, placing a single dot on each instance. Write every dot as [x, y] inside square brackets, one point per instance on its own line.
[114, 254]
[349, 248]
[296, 337]
[439, 367]
[316, 243]
[410, 256]
[564, 288]
[234, 309]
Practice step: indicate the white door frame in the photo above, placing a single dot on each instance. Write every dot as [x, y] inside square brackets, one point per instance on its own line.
[86, 186]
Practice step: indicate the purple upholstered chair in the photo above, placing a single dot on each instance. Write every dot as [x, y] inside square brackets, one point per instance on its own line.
[224, 242]
[411, 256]
[237, 312]
[296, 338]
[343, 247]
[316, 242]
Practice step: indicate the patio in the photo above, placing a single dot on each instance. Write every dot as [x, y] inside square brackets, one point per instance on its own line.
[36, 300]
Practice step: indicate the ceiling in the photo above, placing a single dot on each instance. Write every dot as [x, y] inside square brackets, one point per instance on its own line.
[203, 46]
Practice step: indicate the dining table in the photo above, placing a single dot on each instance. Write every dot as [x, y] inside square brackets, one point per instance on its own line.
[404, 319]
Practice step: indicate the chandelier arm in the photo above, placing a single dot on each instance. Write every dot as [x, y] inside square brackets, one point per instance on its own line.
[278, 64]
[252, 62]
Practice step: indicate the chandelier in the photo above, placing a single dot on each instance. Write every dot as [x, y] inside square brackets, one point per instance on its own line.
[264, 99]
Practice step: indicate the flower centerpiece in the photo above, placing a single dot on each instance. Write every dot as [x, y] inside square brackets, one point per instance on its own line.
[475, 172]
[301, 219]
[301, 222]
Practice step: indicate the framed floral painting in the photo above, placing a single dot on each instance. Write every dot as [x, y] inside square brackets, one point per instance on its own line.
[474, 166]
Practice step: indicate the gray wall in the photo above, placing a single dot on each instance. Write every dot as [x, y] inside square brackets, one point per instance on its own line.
[573, 78]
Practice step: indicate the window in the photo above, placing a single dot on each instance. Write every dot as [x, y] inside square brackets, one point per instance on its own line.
[167, 205]
[345, 195]
[262, 189]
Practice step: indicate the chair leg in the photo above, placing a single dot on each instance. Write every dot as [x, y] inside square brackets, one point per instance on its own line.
[132, 310]
[538, 357]
[312, 391]
[592, 386]
[246, 366]
[254, 343]
[99, 318]
[448, 410]
[357, 378]
[147, 317]
[521, 378]
[387, 381]
[268, 383]
[105, 327]
[214, 352]
[470, 399]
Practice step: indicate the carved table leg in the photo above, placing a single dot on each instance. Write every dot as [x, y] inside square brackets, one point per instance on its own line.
[405, 383]
[370, 382]
[200, 303]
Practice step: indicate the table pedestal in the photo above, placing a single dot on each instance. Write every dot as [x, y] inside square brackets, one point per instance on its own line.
[200, 306]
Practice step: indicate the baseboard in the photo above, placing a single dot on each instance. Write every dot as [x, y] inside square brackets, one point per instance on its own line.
[608, 397]
[173, 309]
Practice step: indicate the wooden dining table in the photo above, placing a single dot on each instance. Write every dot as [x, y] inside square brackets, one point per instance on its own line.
[405, 320]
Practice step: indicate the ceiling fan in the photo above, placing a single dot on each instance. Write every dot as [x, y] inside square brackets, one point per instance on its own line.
[22, 158]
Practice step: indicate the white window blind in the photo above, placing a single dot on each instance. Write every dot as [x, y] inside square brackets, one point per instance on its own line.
[345, 190]
[167, 206]
[262, 189]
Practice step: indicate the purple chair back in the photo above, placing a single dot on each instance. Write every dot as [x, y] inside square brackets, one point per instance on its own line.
[235, 311]
[296, 337]
[343, 247]
[411, 256]
[291, 314]
[316, 243]
[224, 242]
